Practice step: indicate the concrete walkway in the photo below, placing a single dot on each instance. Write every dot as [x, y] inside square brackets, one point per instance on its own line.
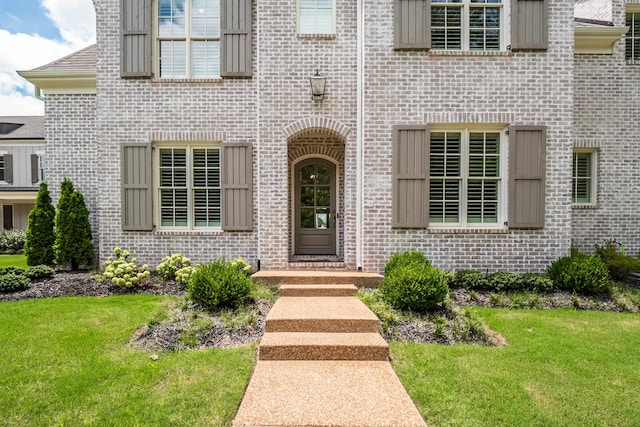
[322, 362]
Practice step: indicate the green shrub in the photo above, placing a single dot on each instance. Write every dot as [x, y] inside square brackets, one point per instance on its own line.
[608, 250]
[72, 229]
[11, 241]
[39, 272]
[19, 271]
[535, 282]
[124, 272]
[503, 281]
[401, 259]
[40, 238]
[219, 284]
[580, 273]
[11, 282]
[418, 287]
[620, 266]
[170, 265]
[471, 279]
[184, 274]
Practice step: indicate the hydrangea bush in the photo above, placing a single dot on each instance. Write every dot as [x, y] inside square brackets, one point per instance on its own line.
[124, 272]
[170, 265]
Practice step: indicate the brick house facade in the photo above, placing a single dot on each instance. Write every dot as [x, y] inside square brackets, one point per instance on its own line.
[444, 127]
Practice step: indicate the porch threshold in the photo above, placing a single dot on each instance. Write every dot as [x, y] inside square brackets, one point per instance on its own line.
[317, 277]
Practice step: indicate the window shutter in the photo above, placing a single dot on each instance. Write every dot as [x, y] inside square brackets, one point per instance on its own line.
[8, 168]
[235, 38]
[237, 189]
[412, 25]
[529, 25]
[410, 176]
[135, 38]
[34, 169]
[137, 210]
[527, 170]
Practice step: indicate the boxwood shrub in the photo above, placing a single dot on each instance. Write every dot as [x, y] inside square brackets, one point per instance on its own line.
[415, 286]
[580, 273]
[219, 284]
[11, 282]
[402, 259]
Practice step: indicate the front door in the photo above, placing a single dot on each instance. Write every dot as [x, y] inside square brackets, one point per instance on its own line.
[315, 208]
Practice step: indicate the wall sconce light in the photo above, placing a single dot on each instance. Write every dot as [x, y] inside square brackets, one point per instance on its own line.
[318, 85]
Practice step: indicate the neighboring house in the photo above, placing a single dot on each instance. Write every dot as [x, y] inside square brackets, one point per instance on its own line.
[22, 167]
[490, 135]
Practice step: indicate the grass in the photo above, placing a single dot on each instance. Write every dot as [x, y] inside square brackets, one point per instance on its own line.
[560, 368]
[13, 261]
[65, 361]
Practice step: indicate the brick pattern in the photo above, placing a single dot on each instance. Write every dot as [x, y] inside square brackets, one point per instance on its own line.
[274, 111]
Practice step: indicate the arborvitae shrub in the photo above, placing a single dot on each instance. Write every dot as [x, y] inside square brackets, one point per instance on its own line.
[72, 229]
[219, 284]
[40, 238]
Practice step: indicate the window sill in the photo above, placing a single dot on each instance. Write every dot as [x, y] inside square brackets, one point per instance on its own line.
[504, 53]
[214, 232]
[317, 36]
[584, 206]
[471, 230]
[633, 61]
[187, 80]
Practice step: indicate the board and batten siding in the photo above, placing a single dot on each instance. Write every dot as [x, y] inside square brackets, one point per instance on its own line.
[137, 187]
[135, 38]
[527, 172]
[412, 20]
[235, 38]
[529, 24]
[19, 165]
[237, 187]
[410, 176]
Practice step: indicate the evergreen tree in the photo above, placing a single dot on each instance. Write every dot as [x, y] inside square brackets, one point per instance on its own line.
[39, 240]
[72, 229]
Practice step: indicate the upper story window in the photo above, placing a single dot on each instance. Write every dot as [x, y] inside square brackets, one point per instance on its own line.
[188, 38]
[2, 168]
[465, 178]
[466, 25]
[583, 185]
[633, 37]
[315, 17]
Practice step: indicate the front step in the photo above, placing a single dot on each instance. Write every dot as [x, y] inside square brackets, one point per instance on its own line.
[317, 290]
[321, 314]
[311, 277]
[323, 346]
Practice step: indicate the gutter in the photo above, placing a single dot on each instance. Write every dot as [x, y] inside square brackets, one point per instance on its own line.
[359, 135]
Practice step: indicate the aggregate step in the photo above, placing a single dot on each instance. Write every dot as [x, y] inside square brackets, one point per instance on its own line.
[317, 290]
[326, 393]
[323, 346]
[309, 277]
[321, 314]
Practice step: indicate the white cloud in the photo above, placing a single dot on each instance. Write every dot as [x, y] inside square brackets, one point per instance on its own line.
[75, 20]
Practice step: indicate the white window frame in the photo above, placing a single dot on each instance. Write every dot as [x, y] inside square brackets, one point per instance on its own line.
[464, 177]
[632, 9]
[593, 170]
[188, 38]
[466, 5]
[189, 147]
[332, 31]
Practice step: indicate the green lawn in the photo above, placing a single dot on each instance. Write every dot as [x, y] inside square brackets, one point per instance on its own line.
[560, 368]
[13, 261]
[65, 362]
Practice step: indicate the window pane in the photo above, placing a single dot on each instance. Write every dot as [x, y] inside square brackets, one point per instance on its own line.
[206, 58]
[323, 197]
[324, 18]
[581, 178]
[171, 21]
[173, 59]
[307, 219]
[307, 196]
[205, 18]
[446, 32]
[323, 218]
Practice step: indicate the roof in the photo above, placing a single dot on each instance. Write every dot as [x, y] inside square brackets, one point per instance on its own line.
[593, 13]
[21, 127]
[84, 59]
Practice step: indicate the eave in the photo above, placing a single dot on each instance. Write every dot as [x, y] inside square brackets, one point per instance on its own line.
[57, 82]
[597, 40]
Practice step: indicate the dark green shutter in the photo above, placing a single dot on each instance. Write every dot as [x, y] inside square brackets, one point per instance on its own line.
[410, 176]
[137, 210]
[135, 38]
[8, 168]
[235, 38]
[529, 25]
[237, 188]
[527, 172]
[412, 25]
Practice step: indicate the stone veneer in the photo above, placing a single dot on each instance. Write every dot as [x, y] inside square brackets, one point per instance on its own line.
[273, 110]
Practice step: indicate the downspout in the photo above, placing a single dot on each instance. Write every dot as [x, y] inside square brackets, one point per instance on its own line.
[258, 164]
[359, 135]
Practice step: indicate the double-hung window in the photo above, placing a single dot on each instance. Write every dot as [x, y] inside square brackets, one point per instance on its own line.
[188, 187]
[465, 178]
[583, 183]
[315, 17]
[633, 37]
[467, 25]
[188, 38]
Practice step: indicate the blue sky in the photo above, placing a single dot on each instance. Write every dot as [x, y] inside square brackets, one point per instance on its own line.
[34, 33]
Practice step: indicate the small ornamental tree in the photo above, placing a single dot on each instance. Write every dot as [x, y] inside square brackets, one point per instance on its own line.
[72, 229]
[39, 240]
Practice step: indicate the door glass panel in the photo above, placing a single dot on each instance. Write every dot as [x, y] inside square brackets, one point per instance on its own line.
[322, 218]
[323, 177]
[306, 218]
[315, 197]
[323, 197]
[306, 196]
[307, 175]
